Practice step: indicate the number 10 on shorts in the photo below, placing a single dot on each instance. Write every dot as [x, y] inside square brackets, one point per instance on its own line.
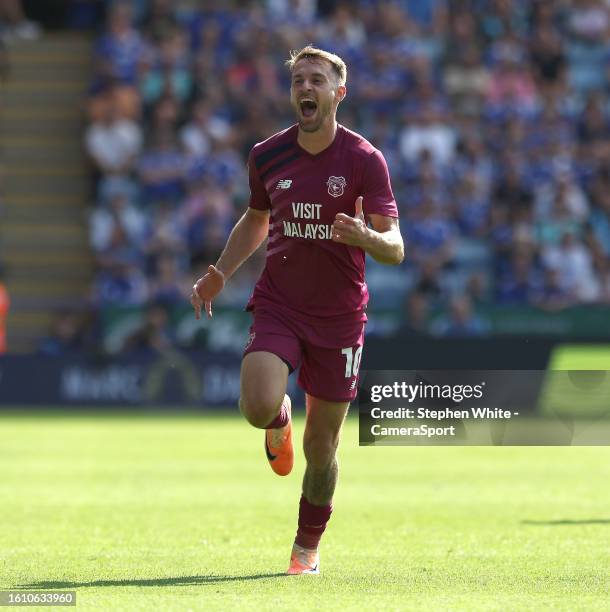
[352, 360]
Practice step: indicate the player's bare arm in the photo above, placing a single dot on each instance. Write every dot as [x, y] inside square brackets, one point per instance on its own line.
[247, 235]
[383, 241]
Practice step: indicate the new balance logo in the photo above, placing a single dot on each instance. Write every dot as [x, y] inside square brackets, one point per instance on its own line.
[284, 184]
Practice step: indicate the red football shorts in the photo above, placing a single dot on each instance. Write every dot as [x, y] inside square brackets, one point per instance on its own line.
[329, 374]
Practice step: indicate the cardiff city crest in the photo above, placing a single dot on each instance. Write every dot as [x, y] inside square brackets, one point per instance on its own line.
[336, 185]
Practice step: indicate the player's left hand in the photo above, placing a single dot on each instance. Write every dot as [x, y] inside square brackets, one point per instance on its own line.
[350, 230]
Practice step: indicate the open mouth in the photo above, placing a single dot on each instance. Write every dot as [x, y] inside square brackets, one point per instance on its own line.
[308, 108]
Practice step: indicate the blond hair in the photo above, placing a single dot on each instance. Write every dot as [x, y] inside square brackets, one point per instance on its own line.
[311, 52]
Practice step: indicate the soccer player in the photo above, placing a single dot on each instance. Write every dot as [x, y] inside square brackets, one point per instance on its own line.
[322, 195]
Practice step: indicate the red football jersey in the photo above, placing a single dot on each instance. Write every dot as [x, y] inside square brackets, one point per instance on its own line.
[307, 275]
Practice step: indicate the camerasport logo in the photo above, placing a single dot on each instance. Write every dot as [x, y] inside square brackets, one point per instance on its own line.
[336, 185]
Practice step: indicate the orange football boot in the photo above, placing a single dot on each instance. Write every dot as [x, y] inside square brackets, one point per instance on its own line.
[278, 445]
[304, 561]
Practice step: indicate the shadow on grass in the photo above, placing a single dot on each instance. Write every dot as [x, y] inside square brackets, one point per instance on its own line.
[146, 582]
[569, 522]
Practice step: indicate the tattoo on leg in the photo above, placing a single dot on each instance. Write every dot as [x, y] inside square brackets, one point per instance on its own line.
[319, 483]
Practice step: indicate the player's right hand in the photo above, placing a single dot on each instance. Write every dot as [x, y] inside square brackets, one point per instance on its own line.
[206, 289]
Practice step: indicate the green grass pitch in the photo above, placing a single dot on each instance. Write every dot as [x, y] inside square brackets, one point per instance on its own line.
[165, 512]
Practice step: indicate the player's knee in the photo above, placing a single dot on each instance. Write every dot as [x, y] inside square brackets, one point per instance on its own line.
[320, 449]
[259, 411]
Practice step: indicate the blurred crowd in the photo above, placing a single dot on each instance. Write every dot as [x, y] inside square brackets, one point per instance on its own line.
[493, 116]
[14, 24]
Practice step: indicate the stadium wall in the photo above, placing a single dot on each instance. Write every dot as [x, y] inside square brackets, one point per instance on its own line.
[211, 379]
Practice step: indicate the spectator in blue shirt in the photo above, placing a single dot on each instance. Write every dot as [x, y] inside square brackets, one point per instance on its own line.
[161, 168]
[121, 48]
[461, 321]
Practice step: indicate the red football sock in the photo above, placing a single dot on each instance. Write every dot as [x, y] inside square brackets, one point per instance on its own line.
[281, 419]
[312, 523]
